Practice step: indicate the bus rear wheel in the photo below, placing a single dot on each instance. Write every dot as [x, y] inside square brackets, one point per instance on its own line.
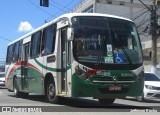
[51, 91]
[16, 88]
[107, 101]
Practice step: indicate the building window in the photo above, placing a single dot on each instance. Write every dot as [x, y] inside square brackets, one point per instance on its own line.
[89, 9]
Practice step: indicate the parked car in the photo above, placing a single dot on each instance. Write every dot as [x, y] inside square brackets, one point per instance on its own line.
[151, 87]
[2, 78]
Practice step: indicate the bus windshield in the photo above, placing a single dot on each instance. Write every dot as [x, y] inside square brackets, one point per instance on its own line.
[104, 40]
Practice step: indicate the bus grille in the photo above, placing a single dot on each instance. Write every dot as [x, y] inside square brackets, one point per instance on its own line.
[104, 78]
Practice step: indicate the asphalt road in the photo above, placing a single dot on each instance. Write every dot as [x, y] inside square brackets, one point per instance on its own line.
[75, 104]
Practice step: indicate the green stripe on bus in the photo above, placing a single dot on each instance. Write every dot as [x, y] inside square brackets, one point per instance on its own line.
[51, 69]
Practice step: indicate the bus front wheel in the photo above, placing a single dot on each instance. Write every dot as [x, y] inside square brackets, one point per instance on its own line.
[140, 98]
[107, 101]
[51, 91]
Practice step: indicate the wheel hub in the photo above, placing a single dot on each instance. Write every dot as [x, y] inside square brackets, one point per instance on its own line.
[51, 90]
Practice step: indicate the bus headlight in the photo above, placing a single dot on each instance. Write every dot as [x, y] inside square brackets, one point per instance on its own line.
[87, 76]
[140, 76]
[81, 73]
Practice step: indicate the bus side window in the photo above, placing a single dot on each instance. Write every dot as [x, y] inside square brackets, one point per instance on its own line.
[10, 54]
[16, 50]
[20, 51]
[48, 40]
[42, 44]
[7, 60]
[35, 45]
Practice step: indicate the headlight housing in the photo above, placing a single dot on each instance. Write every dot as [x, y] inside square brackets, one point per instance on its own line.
[85, 75]
[150, 87]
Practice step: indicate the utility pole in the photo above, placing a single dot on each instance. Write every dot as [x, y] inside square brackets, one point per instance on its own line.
[131, 9]
[154, 37]
[153, 22]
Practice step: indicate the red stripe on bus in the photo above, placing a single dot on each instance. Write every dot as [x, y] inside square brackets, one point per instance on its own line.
[17, 65]
[11, 71]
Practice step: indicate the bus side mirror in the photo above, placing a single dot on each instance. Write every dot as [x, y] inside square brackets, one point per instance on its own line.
[70, 34]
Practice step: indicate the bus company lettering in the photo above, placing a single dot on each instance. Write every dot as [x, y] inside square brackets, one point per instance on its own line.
[103, 73]
[28, 109]
[126, 74]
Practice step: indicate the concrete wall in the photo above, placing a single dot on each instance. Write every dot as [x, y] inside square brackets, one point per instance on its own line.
[109, 9]
[83, 6]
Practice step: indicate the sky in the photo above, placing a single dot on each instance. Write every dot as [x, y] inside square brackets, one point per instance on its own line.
[18, 17]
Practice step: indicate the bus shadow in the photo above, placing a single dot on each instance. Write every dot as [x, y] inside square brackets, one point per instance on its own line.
[88, 103]
[39, 98]
[82, 103]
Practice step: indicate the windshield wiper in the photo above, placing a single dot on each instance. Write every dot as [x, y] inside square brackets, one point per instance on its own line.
[101, 40]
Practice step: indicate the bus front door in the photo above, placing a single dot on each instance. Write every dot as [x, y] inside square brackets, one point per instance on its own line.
[63, 59]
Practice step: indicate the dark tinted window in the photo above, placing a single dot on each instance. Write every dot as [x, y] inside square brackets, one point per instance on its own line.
[151, 77]
[89, 9]
[16, 52]
[20, 50]
[10, 54]
[35, 44]
[48, 41]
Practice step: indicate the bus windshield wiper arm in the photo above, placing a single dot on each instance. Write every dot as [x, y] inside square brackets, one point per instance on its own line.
[101, 49]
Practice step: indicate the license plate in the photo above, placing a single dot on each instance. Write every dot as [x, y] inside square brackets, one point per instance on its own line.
[115, 88]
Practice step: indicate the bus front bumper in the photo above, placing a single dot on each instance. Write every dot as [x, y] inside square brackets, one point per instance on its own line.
[81, 88]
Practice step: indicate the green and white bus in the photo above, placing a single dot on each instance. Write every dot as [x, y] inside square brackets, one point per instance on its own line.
[78, 55]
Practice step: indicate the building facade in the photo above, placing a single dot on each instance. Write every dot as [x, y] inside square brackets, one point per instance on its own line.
[131, 9]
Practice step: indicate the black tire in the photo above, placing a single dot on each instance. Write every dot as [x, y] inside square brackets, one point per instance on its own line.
[16, 88]
[107, 101]
[51, 91]
[24, 94]
[140, 98]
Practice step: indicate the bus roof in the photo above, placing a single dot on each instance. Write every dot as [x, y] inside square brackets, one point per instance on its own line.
[94, 14]
[68, 15]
